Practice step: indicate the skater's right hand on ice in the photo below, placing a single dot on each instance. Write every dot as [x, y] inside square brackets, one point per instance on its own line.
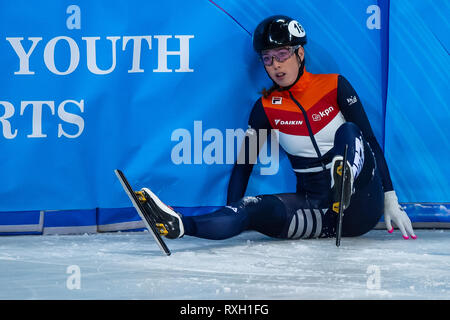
[393, 212]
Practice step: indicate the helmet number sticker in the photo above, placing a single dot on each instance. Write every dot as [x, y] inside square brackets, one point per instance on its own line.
[296, 29]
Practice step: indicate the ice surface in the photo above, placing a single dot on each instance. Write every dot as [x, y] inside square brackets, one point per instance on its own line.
[377, 265]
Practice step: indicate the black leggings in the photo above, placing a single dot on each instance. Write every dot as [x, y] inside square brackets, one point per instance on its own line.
[306, 213]
[289, 216]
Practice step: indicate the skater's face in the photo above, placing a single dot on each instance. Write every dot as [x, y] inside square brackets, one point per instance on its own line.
[282, 64]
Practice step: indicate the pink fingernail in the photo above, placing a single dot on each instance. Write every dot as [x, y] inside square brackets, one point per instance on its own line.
[405, 237]
[392, 230]
[414, 237]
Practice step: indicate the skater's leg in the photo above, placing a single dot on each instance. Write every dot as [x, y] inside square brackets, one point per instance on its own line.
[239, 216]
[349, 134]
[366, 202]
[348, 139]
[269, 214]
[365, 210]
[287, 216]
[305, 218]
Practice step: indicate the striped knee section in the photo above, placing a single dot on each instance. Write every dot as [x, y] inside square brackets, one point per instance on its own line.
[306, 223]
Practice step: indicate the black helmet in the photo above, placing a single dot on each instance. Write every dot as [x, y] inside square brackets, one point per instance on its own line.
[278, 31]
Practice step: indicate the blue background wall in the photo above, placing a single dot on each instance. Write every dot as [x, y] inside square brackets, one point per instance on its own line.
[418, 105]
[396, 58]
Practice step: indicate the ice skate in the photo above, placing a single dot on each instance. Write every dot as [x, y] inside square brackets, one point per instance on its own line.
[336, 183]
[168, 222]
[138, 199]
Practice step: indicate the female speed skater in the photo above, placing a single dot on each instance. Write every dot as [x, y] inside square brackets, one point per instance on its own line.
[316, 115]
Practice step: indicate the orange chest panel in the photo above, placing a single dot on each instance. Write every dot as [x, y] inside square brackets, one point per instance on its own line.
[316, 95]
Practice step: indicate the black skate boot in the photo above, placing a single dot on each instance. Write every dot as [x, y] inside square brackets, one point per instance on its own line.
[336, 183]
[168, 222]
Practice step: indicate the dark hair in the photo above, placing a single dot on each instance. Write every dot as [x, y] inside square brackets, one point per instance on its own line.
[267, 92]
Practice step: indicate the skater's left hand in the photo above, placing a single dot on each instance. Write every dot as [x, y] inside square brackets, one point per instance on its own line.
[393, 212]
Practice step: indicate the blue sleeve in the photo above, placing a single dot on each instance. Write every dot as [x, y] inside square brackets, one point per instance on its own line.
[353, 111]
[241, 171]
